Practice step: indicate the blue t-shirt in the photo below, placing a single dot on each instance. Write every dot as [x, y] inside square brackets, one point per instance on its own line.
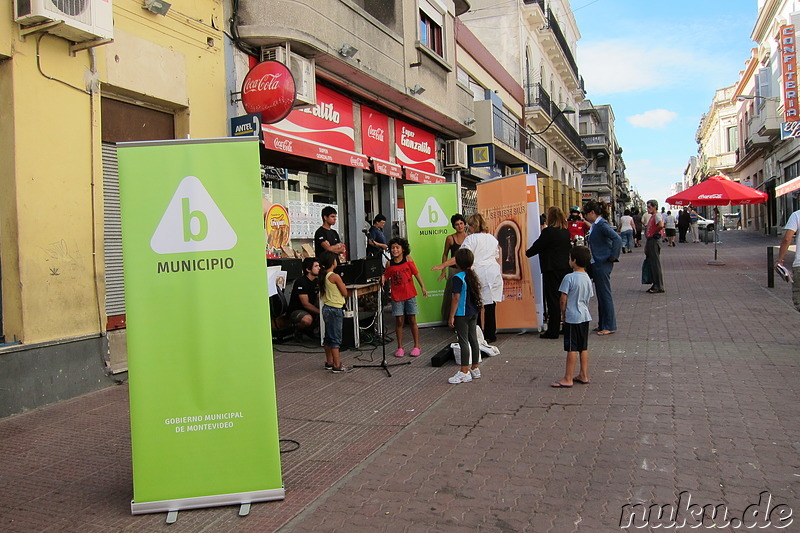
[578, 288]
[466, 307]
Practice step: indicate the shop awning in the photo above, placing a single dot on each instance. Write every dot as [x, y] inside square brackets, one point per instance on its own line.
[419, 176]
[787, 187]
[387, 169]
[290, 144]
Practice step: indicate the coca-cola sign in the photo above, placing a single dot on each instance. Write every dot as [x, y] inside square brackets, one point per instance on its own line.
[374, 133]
[269, 89]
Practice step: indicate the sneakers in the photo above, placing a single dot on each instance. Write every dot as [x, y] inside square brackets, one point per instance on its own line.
[341, 369]
[416, 352]
[460, 377]
[400, 353]
[475, 373]
[328, 366]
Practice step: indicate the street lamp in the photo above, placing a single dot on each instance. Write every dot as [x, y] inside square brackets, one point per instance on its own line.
[743, 97]
[566, 111]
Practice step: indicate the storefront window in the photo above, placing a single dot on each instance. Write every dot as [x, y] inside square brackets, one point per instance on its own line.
[304, 195]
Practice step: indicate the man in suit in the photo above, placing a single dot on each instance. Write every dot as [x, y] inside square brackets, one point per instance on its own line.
[606, 246]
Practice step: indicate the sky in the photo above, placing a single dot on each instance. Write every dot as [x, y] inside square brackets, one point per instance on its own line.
[659, 64]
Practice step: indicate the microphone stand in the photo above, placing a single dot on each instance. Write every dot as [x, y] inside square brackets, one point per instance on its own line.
[379, 320]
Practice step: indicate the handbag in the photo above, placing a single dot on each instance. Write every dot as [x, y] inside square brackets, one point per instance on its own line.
[647, 275]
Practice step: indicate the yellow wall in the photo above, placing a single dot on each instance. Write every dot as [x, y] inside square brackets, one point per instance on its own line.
[51, 174]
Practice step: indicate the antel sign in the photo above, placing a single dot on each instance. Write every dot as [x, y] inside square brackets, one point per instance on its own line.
[269, 89]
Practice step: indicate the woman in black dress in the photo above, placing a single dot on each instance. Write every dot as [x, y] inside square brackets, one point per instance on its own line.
[553, 247]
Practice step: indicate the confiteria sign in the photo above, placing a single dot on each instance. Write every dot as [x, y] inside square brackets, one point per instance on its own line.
[788, 48]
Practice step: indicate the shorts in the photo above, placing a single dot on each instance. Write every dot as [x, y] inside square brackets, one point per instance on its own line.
[406, 307]
[334, 321]
[576, 337]
[297, 315]
[670, 232]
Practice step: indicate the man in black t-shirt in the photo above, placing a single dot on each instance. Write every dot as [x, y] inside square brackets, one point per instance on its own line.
[304, 303]
[326, 239]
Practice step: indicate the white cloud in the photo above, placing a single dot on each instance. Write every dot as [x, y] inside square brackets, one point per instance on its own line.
[654, 178]
[629, 65]
[656, 119]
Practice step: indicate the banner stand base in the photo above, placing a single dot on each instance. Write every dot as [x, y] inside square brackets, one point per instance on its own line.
[238, 498]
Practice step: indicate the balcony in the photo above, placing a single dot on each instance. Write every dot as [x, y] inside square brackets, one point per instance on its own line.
[540, 110]
[722, 162]
[557, 48]
[766, 123]
[596, 179]
[597, 143]
[534, 12]
[496, 127]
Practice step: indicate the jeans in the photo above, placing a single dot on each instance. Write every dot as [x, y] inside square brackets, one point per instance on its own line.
[796, 287]
[334, 321]
[601, 273]
[627, 239]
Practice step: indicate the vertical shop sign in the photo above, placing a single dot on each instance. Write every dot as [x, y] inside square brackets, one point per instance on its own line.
[203, 431]
[788, 48]
[505, 203]
[414, 147]
[374, 133]
[428, 211]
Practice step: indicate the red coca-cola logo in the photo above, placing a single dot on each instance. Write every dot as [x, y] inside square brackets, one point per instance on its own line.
[269, 89]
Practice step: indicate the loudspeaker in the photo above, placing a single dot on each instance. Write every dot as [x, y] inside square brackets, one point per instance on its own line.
[373, 268]
[348, 336]
[350, 272]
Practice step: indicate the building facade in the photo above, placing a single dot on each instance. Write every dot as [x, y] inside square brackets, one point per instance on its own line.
[604, 177]
[162, 77]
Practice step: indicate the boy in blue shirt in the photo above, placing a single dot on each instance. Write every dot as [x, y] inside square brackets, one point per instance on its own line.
[576, 289]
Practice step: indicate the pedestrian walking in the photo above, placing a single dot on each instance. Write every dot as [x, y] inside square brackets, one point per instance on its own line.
[464, 308]
[638, 226]
[576, 290]
[401, 272]
[605, 245]
[789, 231]
[669, 227]
[332, 292]
[652, 248]
[626, 230]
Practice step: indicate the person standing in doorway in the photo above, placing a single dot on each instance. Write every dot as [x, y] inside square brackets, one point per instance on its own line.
[652, 248]
[376, 239]
[326, 239]
[605, 245]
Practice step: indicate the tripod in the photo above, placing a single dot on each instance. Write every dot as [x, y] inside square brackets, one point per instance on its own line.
[379, 320]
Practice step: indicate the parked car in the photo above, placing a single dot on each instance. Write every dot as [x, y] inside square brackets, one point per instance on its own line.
[704, 223]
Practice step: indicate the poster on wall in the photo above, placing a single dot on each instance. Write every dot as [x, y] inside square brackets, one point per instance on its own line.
[203, 433]
[428, 209]
[504, 203]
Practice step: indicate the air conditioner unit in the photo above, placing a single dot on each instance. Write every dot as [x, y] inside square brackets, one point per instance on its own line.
[455, 154]
[302, 70]
[82, 20]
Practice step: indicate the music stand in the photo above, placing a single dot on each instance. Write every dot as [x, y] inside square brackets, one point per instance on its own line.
[383, 364]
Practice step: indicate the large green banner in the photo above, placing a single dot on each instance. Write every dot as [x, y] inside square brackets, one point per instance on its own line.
[204, 424]
[428, 210]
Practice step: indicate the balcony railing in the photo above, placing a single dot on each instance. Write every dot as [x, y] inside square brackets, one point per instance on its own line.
[509, 132]
[535, 95]
[552, 24]
[598, 140]
[595, 178]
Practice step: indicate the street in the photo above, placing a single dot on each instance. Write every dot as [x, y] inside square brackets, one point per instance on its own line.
[695, 396]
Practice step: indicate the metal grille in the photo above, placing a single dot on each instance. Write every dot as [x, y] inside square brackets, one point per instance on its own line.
[77, 9]
[469, 201]
[112, 233]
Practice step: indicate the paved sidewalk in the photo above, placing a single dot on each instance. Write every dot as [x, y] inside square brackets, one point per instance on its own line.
[697, 392]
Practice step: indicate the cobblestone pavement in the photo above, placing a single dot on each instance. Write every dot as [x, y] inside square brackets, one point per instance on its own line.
[694, 397]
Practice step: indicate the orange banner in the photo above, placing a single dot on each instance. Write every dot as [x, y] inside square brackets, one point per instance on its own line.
[788, 50]
[503, 202]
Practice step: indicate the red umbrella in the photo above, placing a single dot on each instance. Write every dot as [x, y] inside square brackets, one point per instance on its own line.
[718, 190]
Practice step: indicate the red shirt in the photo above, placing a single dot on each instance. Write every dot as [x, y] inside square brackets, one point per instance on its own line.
[577, 228]
[401, 276]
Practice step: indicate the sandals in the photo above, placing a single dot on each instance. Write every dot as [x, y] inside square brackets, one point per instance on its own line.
[606, 332]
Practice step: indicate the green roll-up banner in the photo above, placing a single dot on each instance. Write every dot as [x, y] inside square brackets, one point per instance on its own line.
[428, 209]
[204, 423]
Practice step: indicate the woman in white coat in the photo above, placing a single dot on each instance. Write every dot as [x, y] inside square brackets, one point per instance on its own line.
[486, 249]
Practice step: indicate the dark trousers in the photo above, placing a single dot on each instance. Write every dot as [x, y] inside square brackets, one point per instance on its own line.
[682, 233]
[652, 250]
[467, 338]
[601, 273]
[552, 299]
[490, 326]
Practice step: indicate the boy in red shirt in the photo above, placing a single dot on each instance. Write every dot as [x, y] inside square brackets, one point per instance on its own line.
[400, 272]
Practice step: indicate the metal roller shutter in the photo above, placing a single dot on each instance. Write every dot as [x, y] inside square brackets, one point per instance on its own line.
[112, 233]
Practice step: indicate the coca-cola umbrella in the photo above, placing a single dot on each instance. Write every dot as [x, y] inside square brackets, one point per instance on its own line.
[716, 191]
